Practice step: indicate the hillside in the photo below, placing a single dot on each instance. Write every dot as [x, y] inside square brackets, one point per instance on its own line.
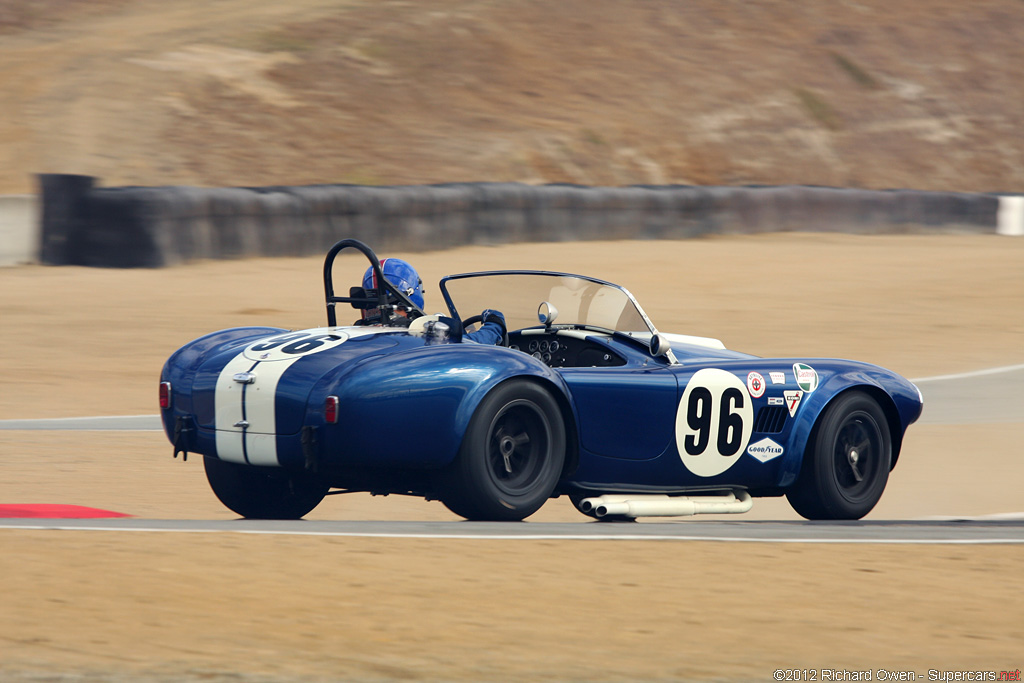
[901, 93]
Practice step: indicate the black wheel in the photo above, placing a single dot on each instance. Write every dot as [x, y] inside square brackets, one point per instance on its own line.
[846, 465]
[264, 492]
[511, 456]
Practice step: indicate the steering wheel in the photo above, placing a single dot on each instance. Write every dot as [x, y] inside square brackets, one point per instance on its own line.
[479, 318]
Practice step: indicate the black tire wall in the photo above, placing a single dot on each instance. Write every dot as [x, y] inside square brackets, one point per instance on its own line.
[160, 226]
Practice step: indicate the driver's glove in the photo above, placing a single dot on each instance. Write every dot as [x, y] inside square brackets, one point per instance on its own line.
[492, 316]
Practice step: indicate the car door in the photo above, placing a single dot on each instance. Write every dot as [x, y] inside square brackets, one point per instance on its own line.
[714, 420]
[625, 411]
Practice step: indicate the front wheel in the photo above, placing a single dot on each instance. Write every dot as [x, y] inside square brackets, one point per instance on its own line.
[847, 464]
[264, 492]
[511, 455]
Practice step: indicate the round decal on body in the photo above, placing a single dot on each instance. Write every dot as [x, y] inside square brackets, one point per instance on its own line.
[292, 345]
[714, 422]
[806, 377]
[755, 384]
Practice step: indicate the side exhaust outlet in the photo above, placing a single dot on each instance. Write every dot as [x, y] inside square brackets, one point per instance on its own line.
[632, 506]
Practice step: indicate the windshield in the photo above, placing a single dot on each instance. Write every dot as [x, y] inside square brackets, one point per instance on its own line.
[579, 300]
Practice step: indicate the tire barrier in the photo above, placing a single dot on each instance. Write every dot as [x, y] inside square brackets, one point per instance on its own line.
[84, 224]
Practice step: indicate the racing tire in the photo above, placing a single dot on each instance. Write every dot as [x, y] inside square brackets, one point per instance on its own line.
[847, 465]
[511, 455]
[264, 492]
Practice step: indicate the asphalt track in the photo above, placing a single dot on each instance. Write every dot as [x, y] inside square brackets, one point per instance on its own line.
[985, 396]
[921, 532]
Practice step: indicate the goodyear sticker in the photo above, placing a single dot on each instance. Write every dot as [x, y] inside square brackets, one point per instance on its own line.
[806, 377]
[765, 450]
[776, 401]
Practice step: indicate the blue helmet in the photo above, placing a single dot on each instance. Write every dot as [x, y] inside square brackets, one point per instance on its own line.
[402, 275]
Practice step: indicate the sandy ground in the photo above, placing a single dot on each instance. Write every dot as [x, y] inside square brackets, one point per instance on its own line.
[108, 606]
[257, 92]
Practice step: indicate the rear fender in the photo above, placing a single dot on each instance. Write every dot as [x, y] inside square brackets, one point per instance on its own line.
[535, 372]
[412, 409]
[553, 384]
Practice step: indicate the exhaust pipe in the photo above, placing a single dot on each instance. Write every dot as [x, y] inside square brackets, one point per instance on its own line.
[633, 506]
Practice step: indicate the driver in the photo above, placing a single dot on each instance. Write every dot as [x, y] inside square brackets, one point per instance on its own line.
[405, 278]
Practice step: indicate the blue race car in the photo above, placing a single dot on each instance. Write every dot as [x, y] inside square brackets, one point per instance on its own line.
[581, 397]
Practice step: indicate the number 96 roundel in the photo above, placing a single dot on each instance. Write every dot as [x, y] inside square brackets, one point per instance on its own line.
[714, 422]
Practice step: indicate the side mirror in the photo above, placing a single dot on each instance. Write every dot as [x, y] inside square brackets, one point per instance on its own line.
[659, 346]
[547, 313]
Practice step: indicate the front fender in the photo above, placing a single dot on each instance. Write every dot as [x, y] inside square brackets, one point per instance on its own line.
[413, 408]
[897, 397]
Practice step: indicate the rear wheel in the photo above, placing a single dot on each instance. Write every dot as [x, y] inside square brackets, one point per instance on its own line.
[511, 456]
[264, 492]
[847, 464]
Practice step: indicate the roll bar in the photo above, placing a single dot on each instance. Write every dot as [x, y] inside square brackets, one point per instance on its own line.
[359, 297]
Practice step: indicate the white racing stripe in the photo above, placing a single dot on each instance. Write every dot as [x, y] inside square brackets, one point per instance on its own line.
[227, 410]
[254, 403]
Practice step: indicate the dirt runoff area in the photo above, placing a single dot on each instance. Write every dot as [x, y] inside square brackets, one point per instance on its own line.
[100, 606]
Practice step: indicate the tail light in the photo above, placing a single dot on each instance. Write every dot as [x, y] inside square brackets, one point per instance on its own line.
[331, 410]
[165, 395]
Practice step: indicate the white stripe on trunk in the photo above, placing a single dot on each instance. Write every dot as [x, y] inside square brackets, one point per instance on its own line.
[258, 411]
[227, 410]
[255, 402]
